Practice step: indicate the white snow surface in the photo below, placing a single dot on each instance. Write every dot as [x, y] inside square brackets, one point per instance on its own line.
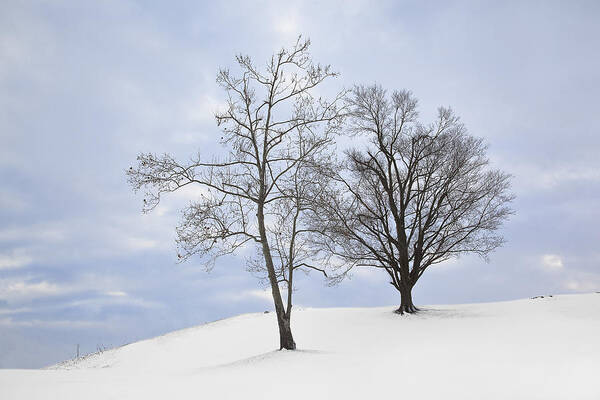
[544, 348]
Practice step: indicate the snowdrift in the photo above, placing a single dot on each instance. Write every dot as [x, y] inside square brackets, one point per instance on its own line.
[542, 348]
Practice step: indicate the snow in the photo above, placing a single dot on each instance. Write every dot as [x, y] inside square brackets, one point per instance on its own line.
[543, 348]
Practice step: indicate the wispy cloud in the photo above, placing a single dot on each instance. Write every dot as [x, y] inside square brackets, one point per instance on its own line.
[12, 201]
[19, 290]
[92, 302]
[16, 258]
[582, 282]
[117, 293]
[531, 176]
[253, 294]
[55, 323]
[97, 289]
[111, 298]
[18, 310]
[552, 262]
[52, 233]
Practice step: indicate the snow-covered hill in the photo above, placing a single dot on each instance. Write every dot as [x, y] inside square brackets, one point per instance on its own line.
[544, 348]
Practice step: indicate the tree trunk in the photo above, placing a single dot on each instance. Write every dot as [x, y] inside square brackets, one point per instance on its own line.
[286, 340]
[406, 303]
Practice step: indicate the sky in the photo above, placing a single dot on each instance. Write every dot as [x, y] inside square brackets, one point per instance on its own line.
[86, 86]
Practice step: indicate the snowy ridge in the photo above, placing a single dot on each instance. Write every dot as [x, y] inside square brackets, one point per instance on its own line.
[542, 348]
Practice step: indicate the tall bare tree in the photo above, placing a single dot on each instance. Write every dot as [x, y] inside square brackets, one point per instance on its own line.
[291, 244]
[274, 127]
[416, 195]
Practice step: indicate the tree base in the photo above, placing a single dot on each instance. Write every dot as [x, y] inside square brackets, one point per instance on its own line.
[409, 309]
[286, 340]
[287, 346]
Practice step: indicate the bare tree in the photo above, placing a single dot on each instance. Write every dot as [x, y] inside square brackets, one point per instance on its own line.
[274, 127]
[417, 194]
[291, 244]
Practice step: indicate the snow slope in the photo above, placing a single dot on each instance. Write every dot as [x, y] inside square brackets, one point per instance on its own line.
[545, 348]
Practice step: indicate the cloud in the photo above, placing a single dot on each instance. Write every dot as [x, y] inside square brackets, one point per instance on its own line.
[583, 282]
[36, 323]
[551, 179]
[369, 273]
[36, 232]
[287, 25]
[19, 310]
[17, 258]
[552, 262]
[12, 201]
[190, 193]
[535, 177]
[80, 240]
[19, 290]
[260, 294]
[136, 244]
[27, 288]
[112, 298]
[42, 314]
[116, 294]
